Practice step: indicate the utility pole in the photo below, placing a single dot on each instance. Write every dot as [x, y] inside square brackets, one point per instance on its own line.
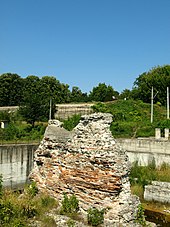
[50, 109]
[167, 102]
[152, 105]
[152, 98]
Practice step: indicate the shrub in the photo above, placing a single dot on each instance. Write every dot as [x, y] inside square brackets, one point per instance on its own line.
[142, 175]
[140, 217]
[7, 212]
[70, 223]
[71, 122]
[95, 217]
[29, 210]
[32, 189]
[11, 132]
[69, 205]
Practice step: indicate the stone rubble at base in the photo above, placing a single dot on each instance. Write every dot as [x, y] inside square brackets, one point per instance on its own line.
[157, 192]
[87, 162]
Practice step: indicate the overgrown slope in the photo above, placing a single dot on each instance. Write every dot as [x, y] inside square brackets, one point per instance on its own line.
[132, 118]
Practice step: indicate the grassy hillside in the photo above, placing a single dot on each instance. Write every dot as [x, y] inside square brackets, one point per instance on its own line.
[132, 118]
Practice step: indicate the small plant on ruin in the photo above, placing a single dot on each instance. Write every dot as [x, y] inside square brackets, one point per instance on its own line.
[95, 217]
[140, 217]
[70, 223]
[32, 189]
[70, 205]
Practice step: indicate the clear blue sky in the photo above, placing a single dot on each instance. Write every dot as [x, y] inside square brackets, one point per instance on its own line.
[84, 42]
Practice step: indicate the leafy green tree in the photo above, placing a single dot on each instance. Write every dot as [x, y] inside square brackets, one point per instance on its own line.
[126, 94]
[103, 93]
[50, 87]
[158, 78]
[11, 89]
[77, 95]
[33, 109]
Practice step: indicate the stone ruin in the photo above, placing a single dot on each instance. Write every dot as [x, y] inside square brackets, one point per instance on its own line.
[88, 163]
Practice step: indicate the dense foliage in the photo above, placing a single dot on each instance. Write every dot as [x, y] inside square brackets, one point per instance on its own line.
[103, 93]
[159, 79]
[33, 95]
[132, 118]
[18, 130]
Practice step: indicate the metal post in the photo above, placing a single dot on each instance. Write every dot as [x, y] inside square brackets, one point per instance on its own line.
[152, 105]
[167, 102]
[50, 109]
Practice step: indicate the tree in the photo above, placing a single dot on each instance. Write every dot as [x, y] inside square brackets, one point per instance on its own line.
[159, 78]
[37, 95]
[50, 87]
[33, 107]
[103, 93]
[78, 96]
[11, 89]
[125, 94]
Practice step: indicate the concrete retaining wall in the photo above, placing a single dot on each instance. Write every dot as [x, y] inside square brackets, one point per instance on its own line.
[147, 150]
[63, 111]
[16, 161]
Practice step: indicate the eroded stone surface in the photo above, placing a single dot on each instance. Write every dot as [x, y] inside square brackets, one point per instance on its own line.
[157, 191]
[88, 163]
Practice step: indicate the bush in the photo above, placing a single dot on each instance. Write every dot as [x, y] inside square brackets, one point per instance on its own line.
[69, 205]
[142, 175]
[95, 217]
[71, 122]
[7, 212]
[10, 132]
[32, 189]
[17, 210]
[140, 217]
[70, 223]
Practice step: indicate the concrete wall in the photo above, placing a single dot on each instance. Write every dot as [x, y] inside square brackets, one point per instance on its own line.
[146, 150]
[63, 111]
[16, 161]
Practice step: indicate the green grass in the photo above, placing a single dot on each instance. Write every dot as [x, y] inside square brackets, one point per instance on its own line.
[19, 210]
[143, 175]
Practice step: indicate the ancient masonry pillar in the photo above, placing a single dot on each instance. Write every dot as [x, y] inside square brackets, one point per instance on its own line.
[166, 133]
[157, 133]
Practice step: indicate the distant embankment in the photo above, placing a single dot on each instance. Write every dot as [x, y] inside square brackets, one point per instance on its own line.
[9, 108]
[16, 162]
[63, 111]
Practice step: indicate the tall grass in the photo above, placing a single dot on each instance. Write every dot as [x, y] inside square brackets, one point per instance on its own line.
[143, 175]
[18, 209]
